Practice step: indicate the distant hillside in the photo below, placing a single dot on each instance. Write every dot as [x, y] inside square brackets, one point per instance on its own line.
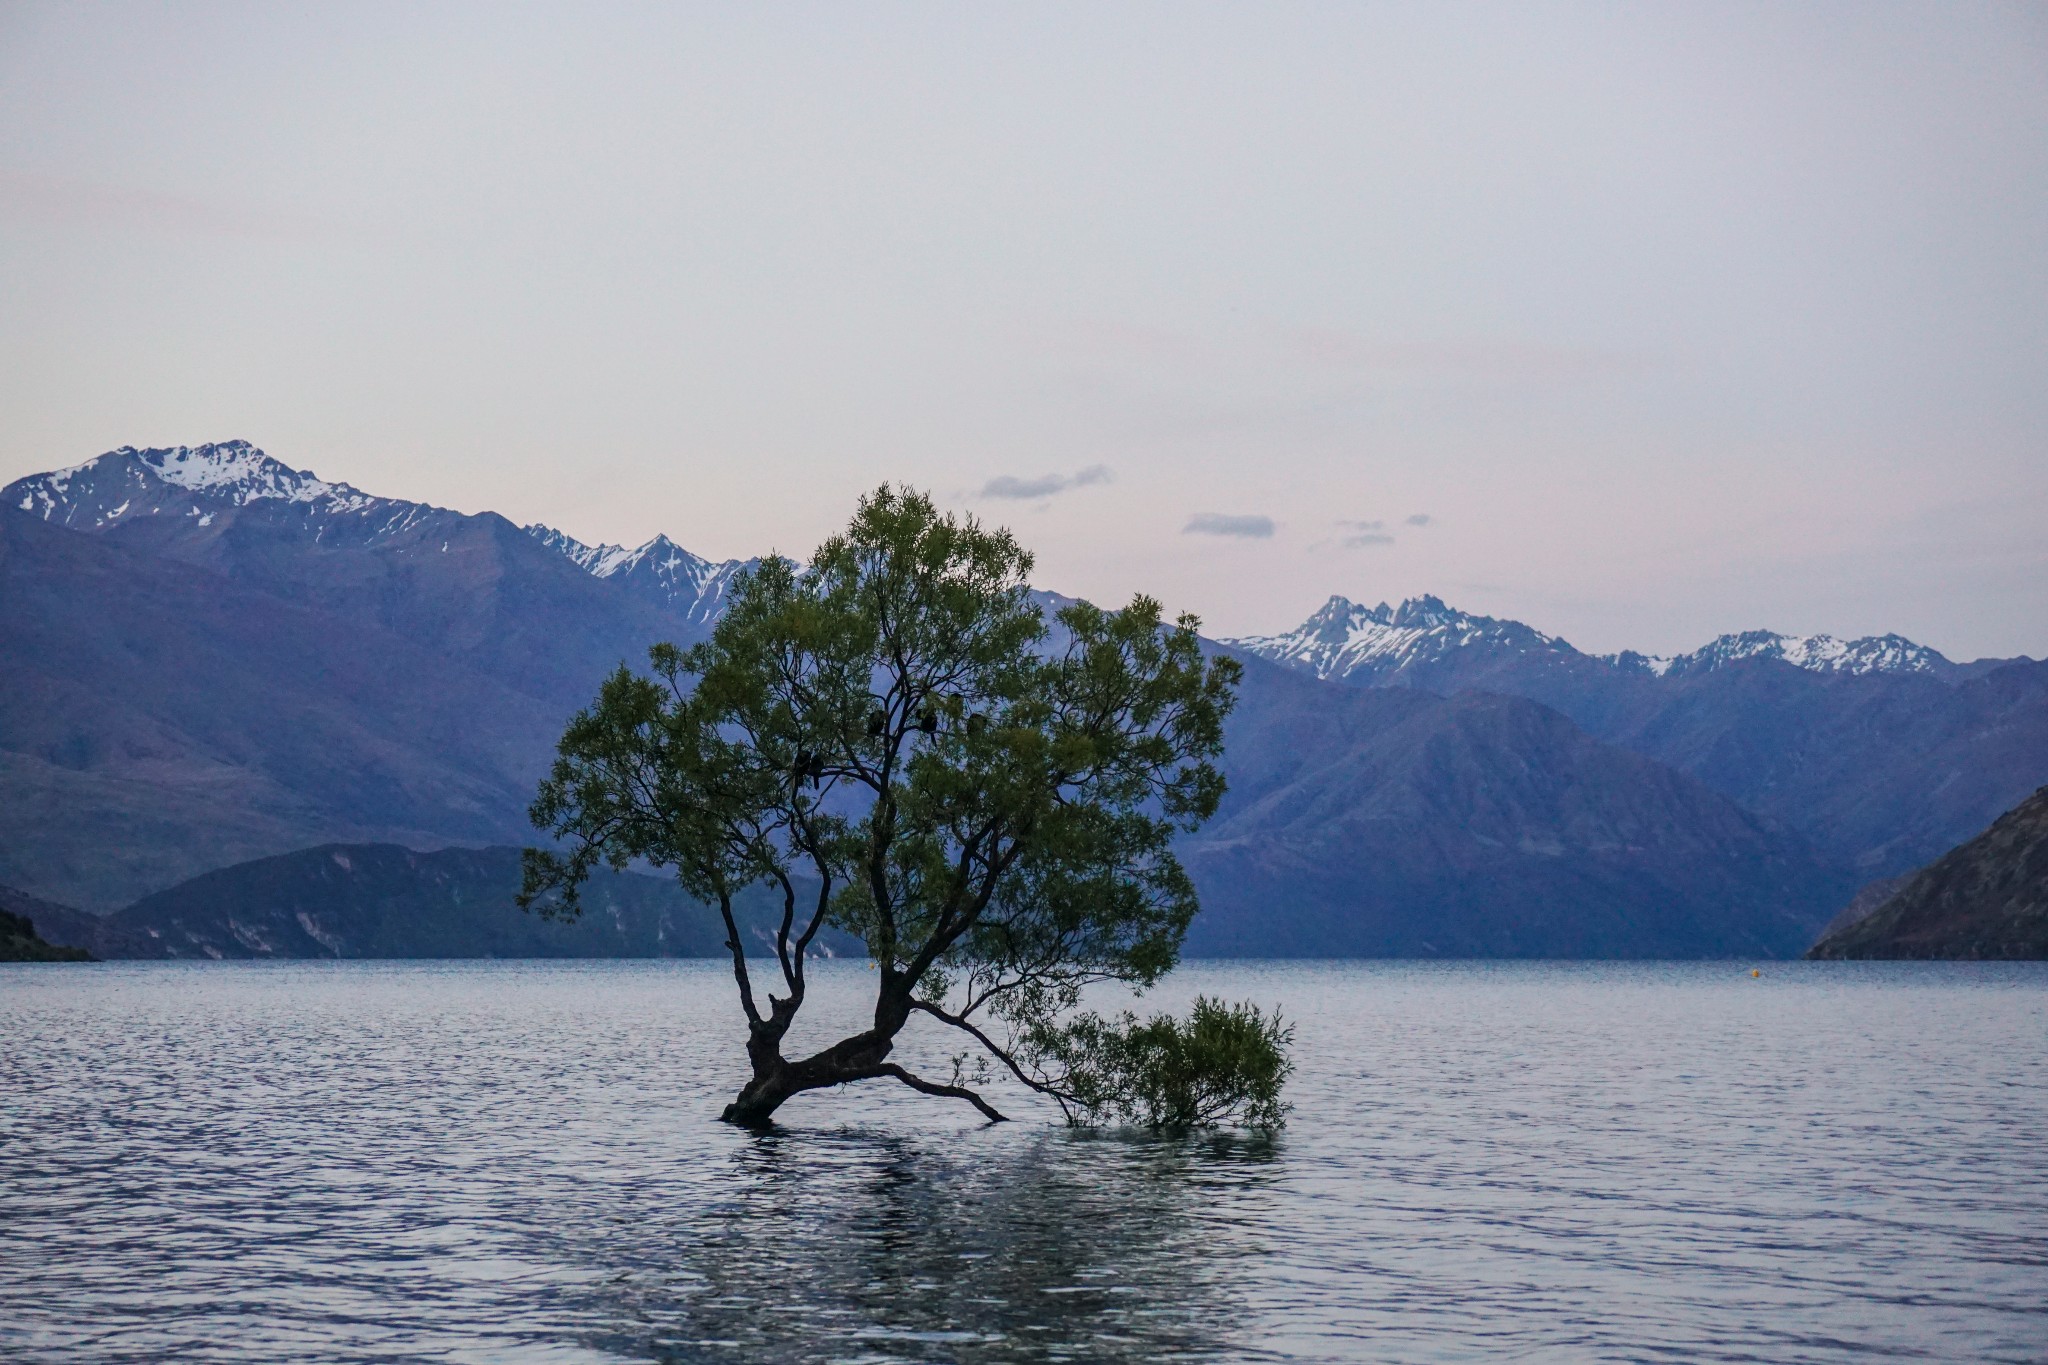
[382, 901]
[1986, 899]
[158, 719]
[1393, 822]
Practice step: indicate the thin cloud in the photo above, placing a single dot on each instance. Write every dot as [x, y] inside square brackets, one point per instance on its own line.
[1365, 533]
[1420, 519]
[1228, 524]
[1044, 486]
[1484, 357]
[63, 199]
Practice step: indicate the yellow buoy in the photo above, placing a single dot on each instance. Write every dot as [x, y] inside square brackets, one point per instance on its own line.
[1754, 972]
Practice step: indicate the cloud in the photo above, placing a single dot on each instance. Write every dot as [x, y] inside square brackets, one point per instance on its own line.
[1045, 485]
[1226, 524]
[1364, 533]
[1420, 519]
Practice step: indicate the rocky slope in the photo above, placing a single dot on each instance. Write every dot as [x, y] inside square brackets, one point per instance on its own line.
[1986, 899]
[661, 572]
[382, 901]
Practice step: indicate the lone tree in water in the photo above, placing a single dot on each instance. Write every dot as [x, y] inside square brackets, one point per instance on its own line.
[896, 738]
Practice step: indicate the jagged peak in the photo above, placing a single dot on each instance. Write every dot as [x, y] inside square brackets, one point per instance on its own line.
[1333, 621]
[1425, 612]
[600, 561]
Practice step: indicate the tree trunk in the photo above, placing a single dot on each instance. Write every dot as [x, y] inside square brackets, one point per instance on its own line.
[858, 1058]
[757, 1102]
[863, 1057]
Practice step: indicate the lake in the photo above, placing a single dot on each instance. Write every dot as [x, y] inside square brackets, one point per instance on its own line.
[519, 1161]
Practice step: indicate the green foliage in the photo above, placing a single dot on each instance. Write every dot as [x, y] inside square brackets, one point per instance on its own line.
[1225, 1065]
[896, 735]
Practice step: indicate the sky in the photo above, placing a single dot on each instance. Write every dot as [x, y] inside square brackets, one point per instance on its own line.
[1638, 323]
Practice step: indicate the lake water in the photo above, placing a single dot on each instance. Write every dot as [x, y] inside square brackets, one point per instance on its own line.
[519, 1162]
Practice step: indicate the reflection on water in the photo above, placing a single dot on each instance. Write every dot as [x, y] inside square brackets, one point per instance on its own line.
[863, 1243]
[491, 1162]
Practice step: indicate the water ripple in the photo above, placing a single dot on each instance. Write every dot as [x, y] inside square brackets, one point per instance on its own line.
[516, 1162]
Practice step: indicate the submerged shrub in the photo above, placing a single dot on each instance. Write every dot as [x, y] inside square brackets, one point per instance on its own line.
[1221, 1067]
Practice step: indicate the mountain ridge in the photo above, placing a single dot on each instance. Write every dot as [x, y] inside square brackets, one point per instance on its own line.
[1881, 752]
[425, 660]
[203, 481]
[1342, 639]
[1338, 640]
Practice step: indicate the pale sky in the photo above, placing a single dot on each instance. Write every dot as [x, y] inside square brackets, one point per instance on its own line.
[1639, 323]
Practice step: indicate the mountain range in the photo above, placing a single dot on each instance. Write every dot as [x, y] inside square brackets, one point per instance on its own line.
[207, 657]
[1879, 751]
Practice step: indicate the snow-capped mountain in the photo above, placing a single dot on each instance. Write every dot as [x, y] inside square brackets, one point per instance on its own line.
[1381, 645]
[194, 481]
[1423, 642]
[199, 483]
[1815, 653]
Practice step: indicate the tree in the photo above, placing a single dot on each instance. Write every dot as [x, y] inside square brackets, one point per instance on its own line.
[896, 739]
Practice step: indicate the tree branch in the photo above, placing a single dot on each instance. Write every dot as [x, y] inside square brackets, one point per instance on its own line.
[957, 1092]
[739, 957]
[791, 980]
[999, 1053]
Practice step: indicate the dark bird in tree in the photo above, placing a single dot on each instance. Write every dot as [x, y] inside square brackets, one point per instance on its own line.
[994, 869]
